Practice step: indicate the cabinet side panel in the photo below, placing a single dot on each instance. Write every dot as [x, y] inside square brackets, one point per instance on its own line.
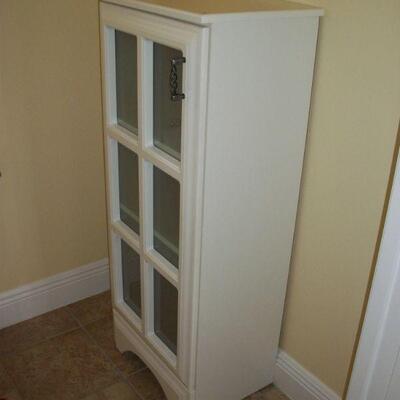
[260, 80]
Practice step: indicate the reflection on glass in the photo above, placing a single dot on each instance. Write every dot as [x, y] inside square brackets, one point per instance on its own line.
[165, 311]
[166, 216]
[131, 277]
[167, 114]
[128, 187]
[126, 80]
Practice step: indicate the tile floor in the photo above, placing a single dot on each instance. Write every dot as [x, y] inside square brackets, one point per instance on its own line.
[69, 354]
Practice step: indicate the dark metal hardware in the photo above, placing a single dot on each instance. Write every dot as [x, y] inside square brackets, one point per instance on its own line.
[173, 79]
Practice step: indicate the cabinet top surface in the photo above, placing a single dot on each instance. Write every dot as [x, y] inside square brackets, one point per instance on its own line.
[209, 11]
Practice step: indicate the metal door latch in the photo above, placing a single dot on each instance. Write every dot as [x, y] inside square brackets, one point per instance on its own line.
[173, 79]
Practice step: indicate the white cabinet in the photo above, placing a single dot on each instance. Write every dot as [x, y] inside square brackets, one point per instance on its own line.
[205, 119]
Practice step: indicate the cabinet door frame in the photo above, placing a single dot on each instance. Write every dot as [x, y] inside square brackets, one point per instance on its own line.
[377, 358]
[193, 41]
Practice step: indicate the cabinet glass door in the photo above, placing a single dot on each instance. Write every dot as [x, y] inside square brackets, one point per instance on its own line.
[123, 160]
[168, 71]
[148, 109]
[146, 172]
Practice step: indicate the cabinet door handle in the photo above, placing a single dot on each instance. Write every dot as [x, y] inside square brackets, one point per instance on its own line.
[173, 79]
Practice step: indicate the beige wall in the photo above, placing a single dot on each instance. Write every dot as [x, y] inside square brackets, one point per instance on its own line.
[52, 212]
[52, 205]
[355, 113]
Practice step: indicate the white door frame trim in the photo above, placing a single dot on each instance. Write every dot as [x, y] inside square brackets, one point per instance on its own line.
[379, 341]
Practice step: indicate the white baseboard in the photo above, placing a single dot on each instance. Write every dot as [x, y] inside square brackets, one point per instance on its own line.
[39, 297]
[297, 383]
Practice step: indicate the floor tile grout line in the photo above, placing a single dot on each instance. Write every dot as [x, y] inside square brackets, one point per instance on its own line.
[12, 352]
[121, 375]
[117, 370]
[80, 326]
[16, 351]
[6, 353]
[76, 318]
[91, 338]
[139, 370]
[87, 334]
[40, 342]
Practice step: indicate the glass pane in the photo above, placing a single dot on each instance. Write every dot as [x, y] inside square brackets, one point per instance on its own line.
[166, 216]
[126, 80]
[165, 311]
[131, 277]
[128, 187]
[167, 114]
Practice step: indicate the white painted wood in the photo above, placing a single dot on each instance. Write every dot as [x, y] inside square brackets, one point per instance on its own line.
[146, 187]
[394, 386]
[258, 103]
[191, 41]
[378, 350]
[123, 136]
[128, 340]
[129, 236]
[163, 162]
[165, 268]
[42, 296]
[297, 383]
[247, 84]
[163, 350]
[192, 215]
[117, 287]
[208, 11]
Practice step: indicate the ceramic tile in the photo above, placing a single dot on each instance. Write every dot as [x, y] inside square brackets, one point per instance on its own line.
[49, 357]
[6, 384]
[103, 333]
[119, 391]
[35, 330]
[147, 385]
[67, 367]
[268, 393]
[93, 308]
[13, 395]
[94, 396]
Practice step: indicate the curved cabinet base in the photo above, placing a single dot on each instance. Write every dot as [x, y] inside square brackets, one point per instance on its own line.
[127, 339]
